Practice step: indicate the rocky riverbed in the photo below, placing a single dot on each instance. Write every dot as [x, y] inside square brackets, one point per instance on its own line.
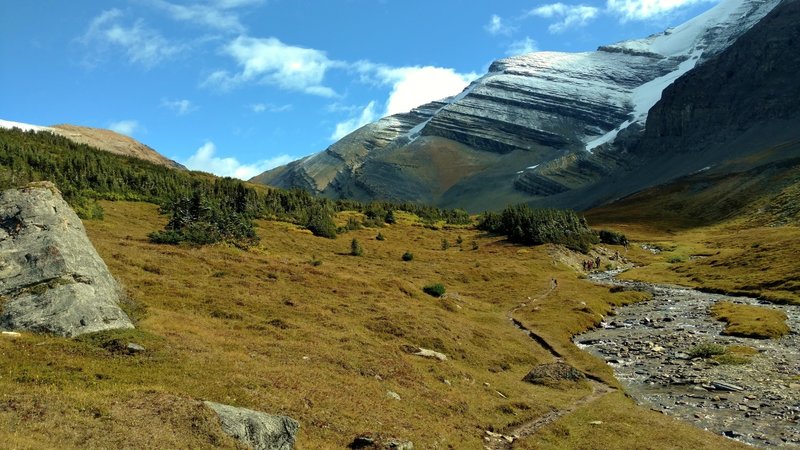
[649, 344]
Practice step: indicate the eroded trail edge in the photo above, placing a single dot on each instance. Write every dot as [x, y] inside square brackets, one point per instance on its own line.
[505, 440]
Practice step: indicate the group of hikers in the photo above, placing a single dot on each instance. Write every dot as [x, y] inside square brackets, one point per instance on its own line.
[594, 264]
[590, 265]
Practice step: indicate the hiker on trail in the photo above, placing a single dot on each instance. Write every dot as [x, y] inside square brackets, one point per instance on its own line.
[553, 283]
[597, 262]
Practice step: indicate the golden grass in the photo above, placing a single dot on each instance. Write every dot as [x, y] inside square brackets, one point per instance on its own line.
[269, 330]
[750, 321]
[615, 422]
[758, 262]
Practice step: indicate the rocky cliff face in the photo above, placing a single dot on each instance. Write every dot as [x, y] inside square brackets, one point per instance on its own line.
[51, 278]
[734, 113]
[528, 128]
[754, 82]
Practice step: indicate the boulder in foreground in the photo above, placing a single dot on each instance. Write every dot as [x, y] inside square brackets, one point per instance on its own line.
[258, 430]
[51, 278]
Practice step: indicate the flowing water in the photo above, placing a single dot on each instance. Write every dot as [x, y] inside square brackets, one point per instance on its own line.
[648, 346]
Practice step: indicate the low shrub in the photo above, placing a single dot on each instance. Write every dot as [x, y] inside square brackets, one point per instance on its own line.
[408, 256]
[355, 248]
[707, 350]
[434, 290]
[612, 238]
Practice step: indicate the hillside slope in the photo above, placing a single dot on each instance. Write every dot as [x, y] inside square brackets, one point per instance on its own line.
[102, 139]
[323, 343]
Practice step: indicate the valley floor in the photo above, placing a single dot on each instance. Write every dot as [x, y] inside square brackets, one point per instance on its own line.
[299, 327]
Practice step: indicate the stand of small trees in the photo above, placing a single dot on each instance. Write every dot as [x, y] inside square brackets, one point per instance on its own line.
[202, 208]
[525, 225]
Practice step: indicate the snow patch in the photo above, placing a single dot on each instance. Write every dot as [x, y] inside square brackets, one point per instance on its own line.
[23, 126]
[693, 41]
[645, 97]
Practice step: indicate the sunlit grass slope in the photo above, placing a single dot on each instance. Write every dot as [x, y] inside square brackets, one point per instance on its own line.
[299, 327]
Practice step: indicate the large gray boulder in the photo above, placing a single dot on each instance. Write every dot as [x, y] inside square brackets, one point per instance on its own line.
[258, 430]
[51, 278]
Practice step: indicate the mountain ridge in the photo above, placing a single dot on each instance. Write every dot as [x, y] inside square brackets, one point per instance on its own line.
[529, 114]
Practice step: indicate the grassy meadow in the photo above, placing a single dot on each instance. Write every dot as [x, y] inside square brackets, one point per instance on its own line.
[298, 326]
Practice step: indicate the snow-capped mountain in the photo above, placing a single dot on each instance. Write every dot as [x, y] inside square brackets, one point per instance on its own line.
[507, 136]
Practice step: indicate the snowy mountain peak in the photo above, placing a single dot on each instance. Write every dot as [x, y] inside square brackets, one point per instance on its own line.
[530, 116]
[709, 33]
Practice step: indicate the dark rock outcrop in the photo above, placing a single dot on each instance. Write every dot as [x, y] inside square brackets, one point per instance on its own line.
[51, 278]
[737, 113]
[258, 430]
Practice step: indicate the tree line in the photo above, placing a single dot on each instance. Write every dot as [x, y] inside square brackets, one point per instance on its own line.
[203, 208]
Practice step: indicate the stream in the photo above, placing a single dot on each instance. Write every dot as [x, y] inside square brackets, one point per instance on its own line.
[648, 345]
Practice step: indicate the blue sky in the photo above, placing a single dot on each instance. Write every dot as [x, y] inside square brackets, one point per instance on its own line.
[235, 87]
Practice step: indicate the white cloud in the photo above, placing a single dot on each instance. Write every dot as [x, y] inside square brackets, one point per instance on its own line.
[205, 159]
[368, 115]
[414, 86]
[268, 107]
[215, 16]
[140, 44]
[230, 4]
[497, 26]
[568, 16]
[270, 61]
[181, 107]
[521, 47]
[126, 127]
[647, 9]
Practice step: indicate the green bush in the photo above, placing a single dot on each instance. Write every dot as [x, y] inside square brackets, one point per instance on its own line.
[355, 248]
[408, 256]
[612, 238]
[202, 219]
[435, 290]
[380, 237]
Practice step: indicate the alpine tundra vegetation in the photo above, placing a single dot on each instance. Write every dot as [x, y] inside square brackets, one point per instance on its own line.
[580, 248]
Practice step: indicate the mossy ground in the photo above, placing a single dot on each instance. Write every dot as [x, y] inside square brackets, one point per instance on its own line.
[758, 262]
[750, 321]
[268, 329]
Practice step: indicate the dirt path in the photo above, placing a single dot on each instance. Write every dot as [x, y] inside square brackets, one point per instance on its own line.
[505, 440]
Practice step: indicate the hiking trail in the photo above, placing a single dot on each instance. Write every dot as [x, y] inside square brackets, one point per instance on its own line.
[505, 440]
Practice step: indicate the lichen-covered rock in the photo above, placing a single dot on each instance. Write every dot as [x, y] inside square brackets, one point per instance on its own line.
[258, 430]
[51, 278]
[553, 374]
